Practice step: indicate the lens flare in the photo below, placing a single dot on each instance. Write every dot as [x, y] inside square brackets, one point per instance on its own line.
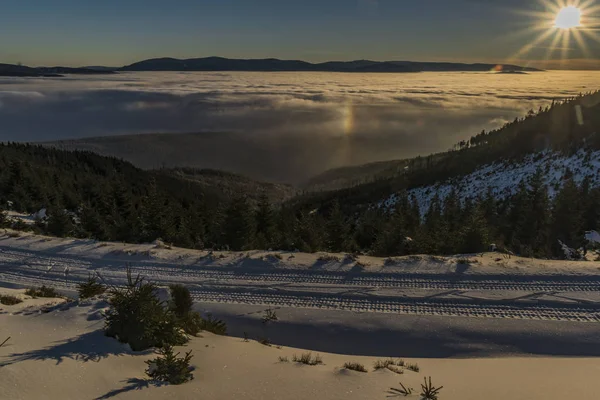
[564, 26]
[348, 117]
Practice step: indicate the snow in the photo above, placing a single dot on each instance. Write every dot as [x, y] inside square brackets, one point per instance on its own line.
[17, 216]
[593, 237]
[57, 352]
[480, 320]
[164, 295]
[41, 214]
[503, 178]
[570, 254]
[411, 285]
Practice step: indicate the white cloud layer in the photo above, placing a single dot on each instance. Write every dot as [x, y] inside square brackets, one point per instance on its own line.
[374, 116]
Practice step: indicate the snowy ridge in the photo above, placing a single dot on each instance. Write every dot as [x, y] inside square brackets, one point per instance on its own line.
[503, 178]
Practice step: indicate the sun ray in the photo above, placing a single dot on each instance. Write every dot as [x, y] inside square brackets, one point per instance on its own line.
[581, 42]
[525, 33]
[586, 5]
[566, 39]
[552, 47]
[591, 34]
[529, 46]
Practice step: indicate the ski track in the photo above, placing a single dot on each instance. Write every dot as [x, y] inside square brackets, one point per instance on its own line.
[322, 289]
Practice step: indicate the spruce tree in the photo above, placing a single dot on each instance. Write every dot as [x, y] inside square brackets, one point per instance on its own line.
[536, 227]
[591, 207]
[287, 230]
[311, 235]
[92, 223]
[59, 222]
[474, 236]
[516, 218]
[197, 228]
[489, 208]
[413, 217]
[370, 225]
[265, 223]
[567, 222]
[180, 234]
[239, 225]
[452, 211]
[452, 224]
[433, 231]
[338, 232]
[3, 217]
[127, 226]
[392, 241]
[152, 215]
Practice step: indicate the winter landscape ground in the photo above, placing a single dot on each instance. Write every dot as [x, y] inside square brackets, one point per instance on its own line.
[465, 320]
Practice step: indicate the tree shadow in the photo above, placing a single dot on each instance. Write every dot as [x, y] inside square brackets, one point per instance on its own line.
[462, 268]
[131, 384]
[420, 336]
[92, 346]
[318, 265]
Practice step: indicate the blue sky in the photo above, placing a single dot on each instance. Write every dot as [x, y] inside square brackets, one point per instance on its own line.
[111, 32]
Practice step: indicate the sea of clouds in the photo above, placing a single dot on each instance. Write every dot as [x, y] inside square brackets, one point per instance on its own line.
[315, 120]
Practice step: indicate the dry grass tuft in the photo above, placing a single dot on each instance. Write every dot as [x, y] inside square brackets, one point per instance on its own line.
[8, 300]
[43, 291]
[355, 367]
[308, 359]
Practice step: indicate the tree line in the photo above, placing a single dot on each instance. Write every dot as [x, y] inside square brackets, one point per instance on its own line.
[89, 196]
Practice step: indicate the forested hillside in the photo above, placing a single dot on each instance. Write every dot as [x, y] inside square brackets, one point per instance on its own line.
[88, 195]
[230, 184]
[563, 126]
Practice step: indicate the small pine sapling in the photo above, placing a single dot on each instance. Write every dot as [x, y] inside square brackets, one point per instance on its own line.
[270, 315]
[428, 391]
[403, 391]
[168, 367]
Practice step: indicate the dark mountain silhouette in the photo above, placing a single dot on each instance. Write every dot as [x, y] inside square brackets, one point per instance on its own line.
[69, 70]
[260, 65]
[218, 64]
[100, 68]
[20, 70]
[273, 64]
[23, 71]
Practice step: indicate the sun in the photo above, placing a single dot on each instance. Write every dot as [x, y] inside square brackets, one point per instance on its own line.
[564, 26]
[568, 18]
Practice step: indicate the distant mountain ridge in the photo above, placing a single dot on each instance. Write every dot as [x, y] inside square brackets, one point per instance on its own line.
[49, 72]
[262, 65]
[276, 65]
[23, 71]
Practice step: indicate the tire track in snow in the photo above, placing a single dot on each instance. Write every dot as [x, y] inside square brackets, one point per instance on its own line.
[234, 285]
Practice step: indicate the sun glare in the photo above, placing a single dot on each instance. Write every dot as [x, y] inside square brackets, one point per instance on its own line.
[564, 26]
[568, 18]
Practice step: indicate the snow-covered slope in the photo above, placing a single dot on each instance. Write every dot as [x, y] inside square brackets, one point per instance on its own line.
[503, 178]
[60, 352]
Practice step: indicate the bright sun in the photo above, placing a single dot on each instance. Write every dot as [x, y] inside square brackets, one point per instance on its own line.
[568, 18]
[565, 26]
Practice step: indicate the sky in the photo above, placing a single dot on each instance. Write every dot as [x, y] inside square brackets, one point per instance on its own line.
[120, 32]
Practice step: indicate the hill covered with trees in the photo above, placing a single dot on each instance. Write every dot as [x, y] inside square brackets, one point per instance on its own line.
[88, 195]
